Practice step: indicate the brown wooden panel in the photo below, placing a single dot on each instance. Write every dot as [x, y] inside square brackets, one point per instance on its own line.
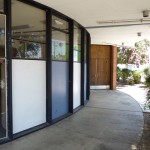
[100, 65]
[103, 51]
[103, 72]
[93, 69]
[113, 67]
[94, 49]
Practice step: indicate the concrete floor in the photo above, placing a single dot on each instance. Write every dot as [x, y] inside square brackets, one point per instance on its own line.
[111, 120]
[137, 91]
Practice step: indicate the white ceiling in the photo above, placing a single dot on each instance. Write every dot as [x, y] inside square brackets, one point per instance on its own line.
[88, 12]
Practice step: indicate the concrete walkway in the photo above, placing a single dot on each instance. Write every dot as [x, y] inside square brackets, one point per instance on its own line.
[137, 91]
[111, 120]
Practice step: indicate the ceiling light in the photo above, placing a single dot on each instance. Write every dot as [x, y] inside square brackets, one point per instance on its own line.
[58, 22]
[139, 33]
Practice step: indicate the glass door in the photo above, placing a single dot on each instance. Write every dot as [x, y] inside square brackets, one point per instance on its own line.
[77, 67]
[3, 97]
[60, 67]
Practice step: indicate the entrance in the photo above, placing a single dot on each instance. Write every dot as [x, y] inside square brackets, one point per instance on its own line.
[100, 65]
[3, 99]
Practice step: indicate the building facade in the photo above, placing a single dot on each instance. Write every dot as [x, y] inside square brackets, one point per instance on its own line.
[44, 67]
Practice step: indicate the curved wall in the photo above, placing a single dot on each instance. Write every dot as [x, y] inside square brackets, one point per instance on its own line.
[47, 79]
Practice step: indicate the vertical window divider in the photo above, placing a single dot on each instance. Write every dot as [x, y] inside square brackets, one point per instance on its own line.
[9, 68]
[82, 65]
[48, 67]
[71, 42]
[88, 65]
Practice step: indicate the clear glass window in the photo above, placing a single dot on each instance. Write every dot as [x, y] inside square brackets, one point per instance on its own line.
[77, 44]
[3, 100]
[60, 39]
[28, 31]
[2, 36]
[1, 5]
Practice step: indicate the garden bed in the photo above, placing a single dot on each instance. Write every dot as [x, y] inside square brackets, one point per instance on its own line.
[145, 140]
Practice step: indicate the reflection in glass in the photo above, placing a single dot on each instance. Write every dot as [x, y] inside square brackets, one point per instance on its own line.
[58, 23]
[1, 5]
[3, 111]
[60, 39]
[28, 31]
[24, 49]
[2, 36]
[77, 44]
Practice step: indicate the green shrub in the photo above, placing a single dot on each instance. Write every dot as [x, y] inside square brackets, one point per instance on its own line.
[146, 71]
[130, 80]
[136, 77]
[125, 74]
[119, 74]
[147, 81]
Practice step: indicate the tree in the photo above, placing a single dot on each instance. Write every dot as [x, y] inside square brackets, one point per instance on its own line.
[134, 55]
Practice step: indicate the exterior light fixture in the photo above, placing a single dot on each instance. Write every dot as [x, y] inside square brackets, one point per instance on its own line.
[139, 33]
[146, 13]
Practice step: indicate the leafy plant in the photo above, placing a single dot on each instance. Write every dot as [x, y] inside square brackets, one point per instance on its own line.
[119, 74]
[130, 80]
[134, 55]
[125, 74]
[136, 77]
[147, 83]
[128, 76]
[146, 71]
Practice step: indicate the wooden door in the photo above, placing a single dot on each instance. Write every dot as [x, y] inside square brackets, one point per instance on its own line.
[100, 65]
[93, 71]
[93, 65]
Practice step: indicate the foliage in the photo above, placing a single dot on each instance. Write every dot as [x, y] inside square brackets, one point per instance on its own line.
[130, 80]
[147, 105]
[136, 77]
[125, 74]
[146, 71]
[147, 83]
[32, 50]
[128, 76]
[119, 74]
[134, 55]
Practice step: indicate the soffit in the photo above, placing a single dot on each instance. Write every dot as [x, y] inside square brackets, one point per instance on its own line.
[88, 12]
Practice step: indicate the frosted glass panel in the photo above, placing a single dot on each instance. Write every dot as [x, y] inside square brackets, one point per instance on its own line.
[77, 85]
[28, 94]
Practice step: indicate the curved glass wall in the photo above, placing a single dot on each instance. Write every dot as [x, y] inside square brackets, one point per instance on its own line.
[42, 88]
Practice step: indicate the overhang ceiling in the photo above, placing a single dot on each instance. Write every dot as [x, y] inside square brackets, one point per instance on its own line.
[89, 12]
